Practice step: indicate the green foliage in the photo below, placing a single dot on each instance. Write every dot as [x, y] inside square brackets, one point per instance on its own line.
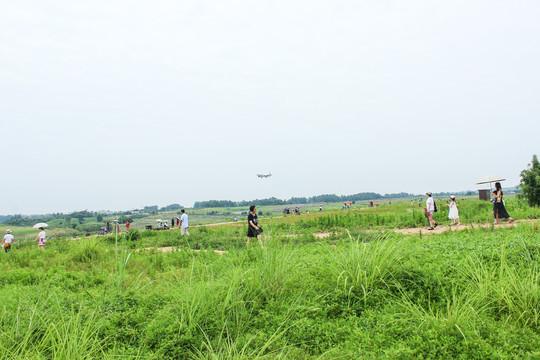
[530, 182]
[469, 294]
[74, 222]
[361, 267]
[89, 226]
[86, 249]
[171, 207]
[133, 235]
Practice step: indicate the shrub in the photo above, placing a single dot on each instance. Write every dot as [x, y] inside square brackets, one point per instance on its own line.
[133, 235]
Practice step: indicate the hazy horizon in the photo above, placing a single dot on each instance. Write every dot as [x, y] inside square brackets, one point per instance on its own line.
[239, 200]
[117, 105]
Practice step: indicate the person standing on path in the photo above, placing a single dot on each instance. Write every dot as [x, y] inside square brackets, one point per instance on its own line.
[253, 225]
[7, 241]
[430, 209]
[41, 238]
[453, 213]
[184, 223]
[499, 210]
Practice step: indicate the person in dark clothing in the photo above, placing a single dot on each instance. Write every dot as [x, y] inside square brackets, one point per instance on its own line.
[499, 211]
[253, 226]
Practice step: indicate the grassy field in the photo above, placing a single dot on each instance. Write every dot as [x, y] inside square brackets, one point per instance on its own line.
[361, 293]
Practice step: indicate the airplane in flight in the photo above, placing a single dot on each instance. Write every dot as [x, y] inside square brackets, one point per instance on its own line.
[264, 175]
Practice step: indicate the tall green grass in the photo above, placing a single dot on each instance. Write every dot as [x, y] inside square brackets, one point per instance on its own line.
[362, 267]
[470, 294]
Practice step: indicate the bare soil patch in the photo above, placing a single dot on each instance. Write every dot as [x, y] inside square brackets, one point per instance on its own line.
[323, 235]
[170, 248]
[442, 228]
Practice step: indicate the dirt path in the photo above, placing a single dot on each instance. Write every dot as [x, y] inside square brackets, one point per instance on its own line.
[442, 228]
[170, 248]
[410, 231]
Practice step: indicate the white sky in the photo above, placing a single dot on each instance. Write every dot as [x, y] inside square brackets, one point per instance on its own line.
[120, 104]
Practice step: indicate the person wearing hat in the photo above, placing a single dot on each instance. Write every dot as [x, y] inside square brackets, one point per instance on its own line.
[7, 241]
[430, 209]
[453, 213]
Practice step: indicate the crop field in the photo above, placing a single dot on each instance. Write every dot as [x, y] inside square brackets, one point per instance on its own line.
[360, 291]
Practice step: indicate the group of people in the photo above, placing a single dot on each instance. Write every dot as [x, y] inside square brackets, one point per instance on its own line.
[499, 210]
[254, 230]
[287, 211]
[182, 222]
[9, 238]
[347, 205]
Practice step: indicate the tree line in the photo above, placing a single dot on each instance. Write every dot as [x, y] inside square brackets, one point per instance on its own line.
[325, 198]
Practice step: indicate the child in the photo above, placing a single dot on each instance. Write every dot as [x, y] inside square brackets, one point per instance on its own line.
[453, 213]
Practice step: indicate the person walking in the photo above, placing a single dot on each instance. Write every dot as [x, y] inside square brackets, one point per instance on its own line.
[127, 224]
[253, 225]
[7, 241]
[430, 209]
[41, 238]
[184, 222]
[453, 213]
[499, 210]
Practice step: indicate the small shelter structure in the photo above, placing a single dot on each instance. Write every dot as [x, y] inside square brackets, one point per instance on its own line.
[485, 194]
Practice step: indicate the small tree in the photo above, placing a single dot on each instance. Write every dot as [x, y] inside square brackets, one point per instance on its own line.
[530, 182]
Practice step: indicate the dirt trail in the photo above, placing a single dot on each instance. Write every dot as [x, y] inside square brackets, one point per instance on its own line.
[170, 248]
[442, 228]
[410, 231]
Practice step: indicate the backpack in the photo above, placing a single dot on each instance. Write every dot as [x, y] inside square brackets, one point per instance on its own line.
[434, 206]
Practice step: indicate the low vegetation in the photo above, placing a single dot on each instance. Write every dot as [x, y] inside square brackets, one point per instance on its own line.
[362, 292]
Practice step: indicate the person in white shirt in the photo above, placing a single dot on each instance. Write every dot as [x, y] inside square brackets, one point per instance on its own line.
[430, 209]
[7, 241]
[184, 223]
[41, 238]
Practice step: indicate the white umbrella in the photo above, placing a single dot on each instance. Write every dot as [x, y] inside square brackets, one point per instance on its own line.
[39, 225]
[489, 179]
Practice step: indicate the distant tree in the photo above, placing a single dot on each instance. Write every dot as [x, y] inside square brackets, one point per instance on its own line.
[530, 182]
[74, 222]
[99, 218]
[298, 200]
[171, 207]
[325, 198]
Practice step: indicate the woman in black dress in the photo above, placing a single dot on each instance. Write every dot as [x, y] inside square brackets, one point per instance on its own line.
[253, 225]
[499, 211]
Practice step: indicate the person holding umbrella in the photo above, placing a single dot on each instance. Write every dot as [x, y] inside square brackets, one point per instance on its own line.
[499, 211]
[41, 238]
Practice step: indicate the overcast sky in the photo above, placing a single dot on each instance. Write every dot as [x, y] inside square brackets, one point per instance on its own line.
[121, 104]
